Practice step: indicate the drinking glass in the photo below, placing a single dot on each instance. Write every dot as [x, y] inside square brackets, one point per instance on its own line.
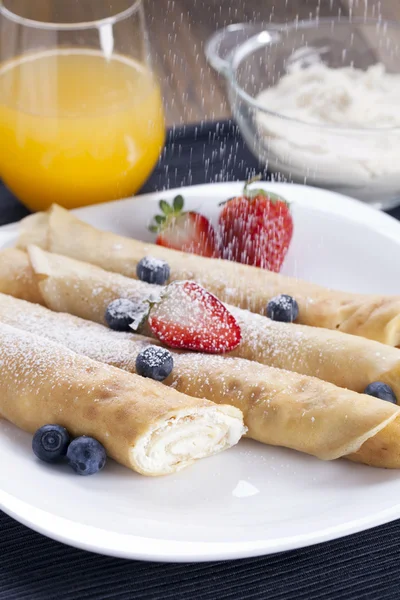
[81, 116]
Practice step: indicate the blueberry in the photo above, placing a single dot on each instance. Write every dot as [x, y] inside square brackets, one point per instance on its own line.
[153, 270]
[154, 362]
[283, 308]
[381, 390]
[124, 314]
[50, 442]
[86, 455]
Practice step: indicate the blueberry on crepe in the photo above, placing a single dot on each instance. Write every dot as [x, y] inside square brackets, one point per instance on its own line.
[153, 270]
[123, 314]
[154, 362]
[283, 308]
[381, 390]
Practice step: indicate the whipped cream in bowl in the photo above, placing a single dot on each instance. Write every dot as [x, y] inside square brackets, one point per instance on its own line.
[340, 127]
[318, 102]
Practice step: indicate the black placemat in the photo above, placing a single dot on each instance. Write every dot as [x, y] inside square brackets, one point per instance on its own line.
[365, 566]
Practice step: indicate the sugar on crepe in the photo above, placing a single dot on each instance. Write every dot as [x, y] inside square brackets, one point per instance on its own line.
[84, 290]
[280, 408]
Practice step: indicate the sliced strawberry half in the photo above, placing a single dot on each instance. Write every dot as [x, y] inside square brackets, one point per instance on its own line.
[187, 316]
[184, 231]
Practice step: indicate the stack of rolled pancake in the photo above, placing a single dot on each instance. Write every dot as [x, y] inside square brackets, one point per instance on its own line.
[296, 385]
[373, 317]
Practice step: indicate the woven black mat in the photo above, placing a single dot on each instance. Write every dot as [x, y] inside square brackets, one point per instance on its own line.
[365, 566]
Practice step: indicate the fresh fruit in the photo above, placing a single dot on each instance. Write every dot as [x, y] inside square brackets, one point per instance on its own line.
[187, 316]
[255, 229]
[50, 442]
[123, 314]
[382, 391]
[153, 270]
[154, 362]
[185, 231]
[283, 308]
[86, 456]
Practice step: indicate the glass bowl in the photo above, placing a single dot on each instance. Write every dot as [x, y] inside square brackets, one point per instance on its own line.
[362, 161]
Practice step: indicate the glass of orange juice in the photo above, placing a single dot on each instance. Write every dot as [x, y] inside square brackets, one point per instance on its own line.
[81, 116]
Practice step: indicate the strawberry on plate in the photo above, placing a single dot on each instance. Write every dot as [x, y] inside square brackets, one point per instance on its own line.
[185, 231]
[187, 316]
[256, 229]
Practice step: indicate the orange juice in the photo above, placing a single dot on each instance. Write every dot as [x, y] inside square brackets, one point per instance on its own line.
[77, 128]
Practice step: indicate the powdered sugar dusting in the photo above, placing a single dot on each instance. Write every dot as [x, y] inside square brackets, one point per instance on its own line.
[153, 263]
[121, 349]
[342, 359]
[307, 350]
[83, 337]
[33, 360]
[268, 397]
[262, 340]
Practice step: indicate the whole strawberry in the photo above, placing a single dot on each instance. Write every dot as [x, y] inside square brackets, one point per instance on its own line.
[256, 229]
[184, 231]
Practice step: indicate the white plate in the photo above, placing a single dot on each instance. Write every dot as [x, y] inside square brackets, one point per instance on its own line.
[253, 499]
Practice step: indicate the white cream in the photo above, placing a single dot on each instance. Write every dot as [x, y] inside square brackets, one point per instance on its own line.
[187, 436]
[339, 100]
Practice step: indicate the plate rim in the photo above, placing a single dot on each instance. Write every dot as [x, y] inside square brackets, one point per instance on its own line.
[102, 541]
[126, 546]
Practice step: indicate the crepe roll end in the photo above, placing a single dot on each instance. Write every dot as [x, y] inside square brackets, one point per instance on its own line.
[186, 436]
[382, 449]
[39, 261]
[33, 230]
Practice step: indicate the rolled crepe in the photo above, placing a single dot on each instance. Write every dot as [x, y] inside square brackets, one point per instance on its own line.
[141, 423]
[84, 290]
[280, 408]
[374, 317]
